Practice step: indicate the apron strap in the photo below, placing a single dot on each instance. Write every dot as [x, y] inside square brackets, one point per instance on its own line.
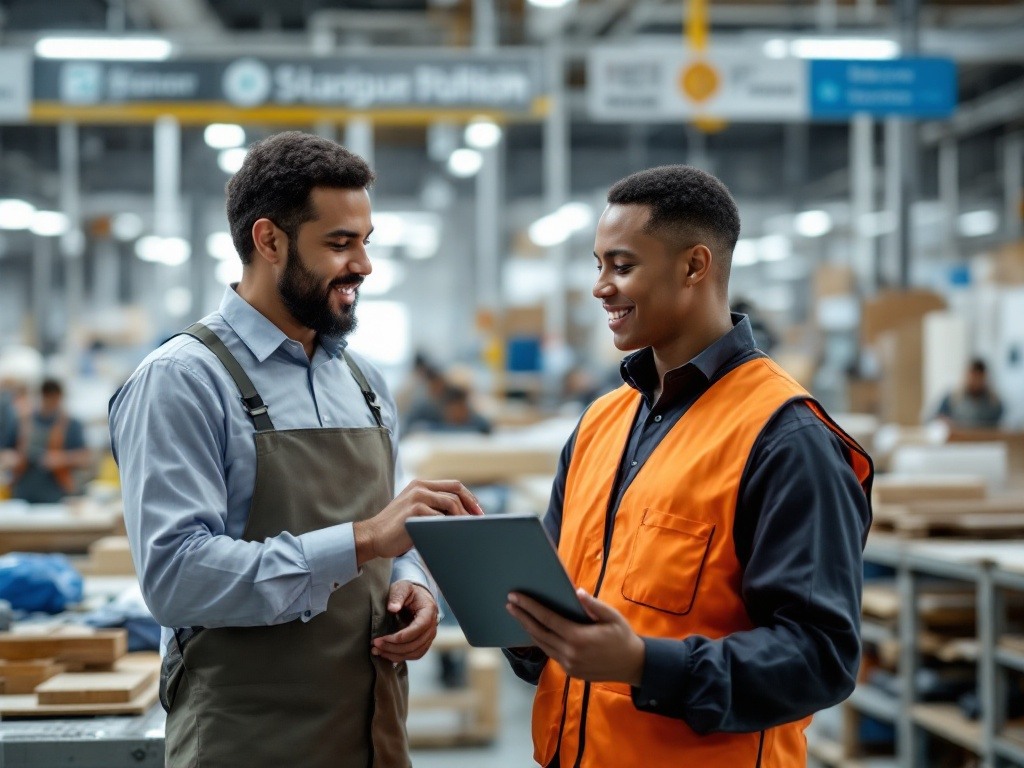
[368, 394]
[251, 400]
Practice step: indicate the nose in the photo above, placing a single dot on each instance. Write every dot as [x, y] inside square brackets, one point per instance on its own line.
[602, 288]
[360, 264]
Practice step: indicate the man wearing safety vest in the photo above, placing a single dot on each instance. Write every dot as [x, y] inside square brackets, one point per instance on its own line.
[49, 446]
[711, 514]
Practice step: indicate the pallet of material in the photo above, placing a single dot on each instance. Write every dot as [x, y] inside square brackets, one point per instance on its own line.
[1002, 516]
[900, 488]
[931, 644]
[133, 682]
[69, 645]
[940, 606]
[23, 676]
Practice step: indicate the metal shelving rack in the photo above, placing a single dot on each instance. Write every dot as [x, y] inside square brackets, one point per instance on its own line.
[993, 567]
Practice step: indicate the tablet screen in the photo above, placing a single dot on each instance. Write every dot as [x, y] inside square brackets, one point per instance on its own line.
[477, 561]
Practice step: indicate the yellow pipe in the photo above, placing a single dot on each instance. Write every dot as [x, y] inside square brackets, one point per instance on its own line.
[697, 27]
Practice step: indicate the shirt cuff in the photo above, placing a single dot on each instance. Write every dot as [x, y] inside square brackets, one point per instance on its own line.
[408, 567]
[666, 666]
[330, 556]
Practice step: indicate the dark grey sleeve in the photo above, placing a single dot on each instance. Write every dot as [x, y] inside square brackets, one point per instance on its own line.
[528, 663]
[801, 525]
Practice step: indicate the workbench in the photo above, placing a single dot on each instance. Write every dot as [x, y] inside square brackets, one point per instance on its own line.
[99, 742]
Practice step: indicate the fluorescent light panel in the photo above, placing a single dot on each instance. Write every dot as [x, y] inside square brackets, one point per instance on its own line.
[832, 48]
[104, 48]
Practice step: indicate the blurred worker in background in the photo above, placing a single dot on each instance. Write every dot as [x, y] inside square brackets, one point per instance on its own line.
[975, 404]
[419, 399]
[8, 436]
[258, 462]
[711, 514]
[46, 449]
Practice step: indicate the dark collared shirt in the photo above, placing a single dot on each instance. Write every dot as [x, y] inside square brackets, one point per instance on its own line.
[801, 523]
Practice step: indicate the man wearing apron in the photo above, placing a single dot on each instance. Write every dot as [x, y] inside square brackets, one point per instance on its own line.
[257, 463]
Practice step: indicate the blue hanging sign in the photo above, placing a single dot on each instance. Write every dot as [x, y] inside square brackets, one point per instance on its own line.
[911, 87]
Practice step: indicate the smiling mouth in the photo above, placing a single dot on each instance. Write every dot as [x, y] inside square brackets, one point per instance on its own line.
[618, 314]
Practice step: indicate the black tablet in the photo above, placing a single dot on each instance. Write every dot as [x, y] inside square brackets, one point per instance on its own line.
[477, 561]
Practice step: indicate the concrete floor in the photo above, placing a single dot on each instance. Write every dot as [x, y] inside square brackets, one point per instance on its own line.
[512, 748]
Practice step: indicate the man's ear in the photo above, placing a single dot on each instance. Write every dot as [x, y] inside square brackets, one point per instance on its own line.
[699, 261]
[269, 241]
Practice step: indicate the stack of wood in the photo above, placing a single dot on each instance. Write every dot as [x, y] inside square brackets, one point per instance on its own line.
[944, 505]
[108, 556]
[60, 670]
[946, 612]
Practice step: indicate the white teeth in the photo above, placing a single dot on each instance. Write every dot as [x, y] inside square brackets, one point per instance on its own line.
[618, 313]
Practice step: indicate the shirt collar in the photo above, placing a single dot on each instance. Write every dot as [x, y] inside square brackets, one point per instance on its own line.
[638, 369]
[260, 335]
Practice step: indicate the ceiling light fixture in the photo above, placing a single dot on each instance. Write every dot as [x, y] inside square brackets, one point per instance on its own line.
[104, 48]
[812, 223]
[126, 226]
[978, 223]
[16, 214]
[230, 160]
[465, 163]
[49, 223]
[482, 134]
[220, 246]
[557, 227]
[224, 136]
[855, 48]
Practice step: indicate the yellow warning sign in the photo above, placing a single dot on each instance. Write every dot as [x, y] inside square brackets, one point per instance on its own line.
[699, 81]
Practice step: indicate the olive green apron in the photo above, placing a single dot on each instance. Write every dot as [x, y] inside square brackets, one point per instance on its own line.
[301, 693]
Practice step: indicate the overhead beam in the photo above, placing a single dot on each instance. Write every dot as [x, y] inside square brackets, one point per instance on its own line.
[183, 16]
[967, 15]
[997, 107]
[964, 46]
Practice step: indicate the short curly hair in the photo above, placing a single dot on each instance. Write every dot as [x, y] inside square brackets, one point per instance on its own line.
[687, 206]
[277, 177]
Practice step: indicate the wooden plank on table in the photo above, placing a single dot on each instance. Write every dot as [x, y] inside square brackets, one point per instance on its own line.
[28, 705]
[999, 505]
[24, 676]
[94, 687]
[900, 489]
[80, 645]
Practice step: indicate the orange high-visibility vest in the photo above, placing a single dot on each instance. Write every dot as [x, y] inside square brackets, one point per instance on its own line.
[671, 569]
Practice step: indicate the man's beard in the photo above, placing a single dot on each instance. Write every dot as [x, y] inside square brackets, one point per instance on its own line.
[310, 303]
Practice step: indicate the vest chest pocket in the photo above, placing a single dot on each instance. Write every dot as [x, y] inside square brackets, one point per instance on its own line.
[666, 563]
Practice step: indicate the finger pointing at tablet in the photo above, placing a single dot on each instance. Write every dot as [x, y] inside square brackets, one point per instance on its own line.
[384, 535]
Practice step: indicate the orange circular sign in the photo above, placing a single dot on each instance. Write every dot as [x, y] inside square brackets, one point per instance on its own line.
[699, 81]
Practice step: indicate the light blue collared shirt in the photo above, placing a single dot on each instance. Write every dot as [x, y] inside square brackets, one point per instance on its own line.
[187, 459]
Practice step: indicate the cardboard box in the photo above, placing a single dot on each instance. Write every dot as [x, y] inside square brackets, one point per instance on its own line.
[891, 309]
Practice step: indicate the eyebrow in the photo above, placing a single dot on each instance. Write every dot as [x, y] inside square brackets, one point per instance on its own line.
[614, 252]
[344, 233]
